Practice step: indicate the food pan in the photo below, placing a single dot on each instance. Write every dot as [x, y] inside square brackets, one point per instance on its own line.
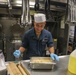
[41, 63]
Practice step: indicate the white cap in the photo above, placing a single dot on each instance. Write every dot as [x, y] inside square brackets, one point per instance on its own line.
[39, 17]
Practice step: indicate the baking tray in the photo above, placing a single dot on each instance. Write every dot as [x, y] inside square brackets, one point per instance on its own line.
[42, 63]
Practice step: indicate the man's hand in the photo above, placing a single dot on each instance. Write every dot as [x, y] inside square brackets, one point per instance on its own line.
[17, 53]
[54, 57]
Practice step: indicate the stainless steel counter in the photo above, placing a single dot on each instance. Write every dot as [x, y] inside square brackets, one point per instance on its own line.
[61, 68]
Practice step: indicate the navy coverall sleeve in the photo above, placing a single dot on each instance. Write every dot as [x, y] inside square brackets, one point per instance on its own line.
[25, 41]
[50, 41]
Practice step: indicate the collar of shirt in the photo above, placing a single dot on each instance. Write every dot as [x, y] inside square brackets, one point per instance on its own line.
[42, 35]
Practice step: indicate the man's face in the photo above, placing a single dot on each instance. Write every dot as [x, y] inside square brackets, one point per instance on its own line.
[39, 26]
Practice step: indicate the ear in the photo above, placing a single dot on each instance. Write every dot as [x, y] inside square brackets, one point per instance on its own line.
[45, 23]
[34, 23]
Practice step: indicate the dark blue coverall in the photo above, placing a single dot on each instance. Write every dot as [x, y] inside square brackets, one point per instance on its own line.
[36, 46]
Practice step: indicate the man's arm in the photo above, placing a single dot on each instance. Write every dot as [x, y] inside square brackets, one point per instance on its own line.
[51, 49]
[22, 49]
[18, 52]
[52, 55]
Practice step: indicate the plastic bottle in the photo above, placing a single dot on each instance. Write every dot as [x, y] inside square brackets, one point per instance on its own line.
[72, 62]
[2, 61]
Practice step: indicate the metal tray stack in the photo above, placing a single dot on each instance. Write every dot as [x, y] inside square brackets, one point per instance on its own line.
[42, 63]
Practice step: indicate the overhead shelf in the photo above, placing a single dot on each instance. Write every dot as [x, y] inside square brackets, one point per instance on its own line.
[54, 6]
[18, 5]
[56, 3]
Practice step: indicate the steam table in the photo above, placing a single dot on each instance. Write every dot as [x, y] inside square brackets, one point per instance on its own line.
[61, 68]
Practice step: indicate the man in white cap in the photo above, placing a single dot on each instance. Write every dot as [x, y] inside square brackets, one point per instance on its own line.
[35, 40]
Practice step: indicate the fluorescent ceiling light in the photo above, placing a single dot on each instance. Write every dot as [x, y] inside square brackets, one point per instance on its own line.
[19, 1]
[31, 3]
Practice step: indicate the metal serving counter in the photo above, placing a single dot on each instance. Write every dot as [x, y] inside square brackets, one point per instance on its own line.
[61, 68]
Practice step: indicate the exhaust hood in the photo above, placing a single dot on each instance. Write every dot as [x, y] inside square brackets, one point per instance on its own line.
[18, 3]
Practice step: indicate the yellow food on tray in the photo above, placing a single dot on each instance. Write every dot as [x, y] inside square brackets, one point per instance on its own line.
[41, 60]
